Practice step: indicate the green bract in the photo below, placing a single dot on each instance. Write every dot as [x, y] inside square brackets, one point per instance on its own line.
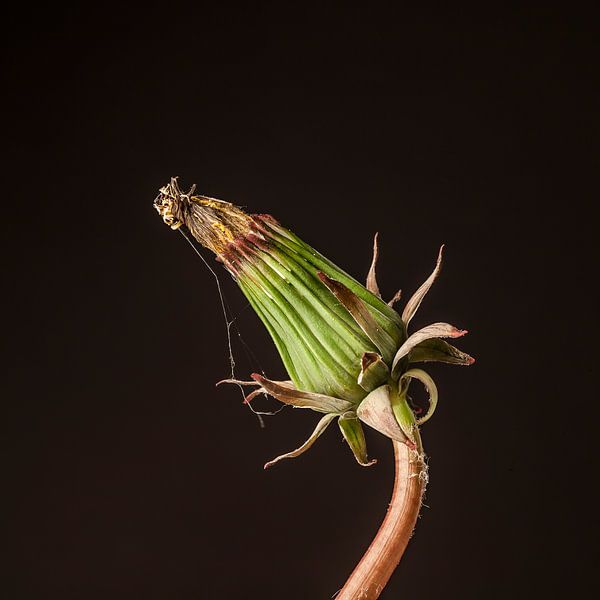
[346, 351]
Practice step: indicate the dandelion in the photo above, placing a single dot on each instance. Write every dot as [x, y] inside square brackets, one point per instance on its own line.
[346, 351]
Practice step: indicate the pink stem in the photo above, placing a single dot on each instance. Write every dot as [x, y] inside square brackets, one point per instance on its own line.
[383, 555]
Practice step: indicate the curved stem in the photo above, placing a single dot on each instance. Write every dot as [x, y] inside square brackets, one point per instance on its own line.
[383, 555]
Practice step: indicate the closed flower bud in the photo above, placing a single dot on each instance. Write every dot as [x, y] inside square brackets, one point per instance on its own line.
[346, 351]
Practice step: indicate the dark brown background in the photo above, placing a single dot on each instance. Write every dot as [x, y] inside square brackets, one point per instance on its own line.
[127, 475]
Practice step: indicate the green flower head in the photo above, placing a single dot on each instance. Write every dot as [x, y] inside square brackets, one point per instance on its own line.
[346, 351]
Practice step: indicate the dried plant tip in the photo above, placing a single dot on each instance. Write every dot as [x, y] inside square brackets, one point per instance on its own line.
[413, 304]
[372, 276]
[395, 298]
[213, 223]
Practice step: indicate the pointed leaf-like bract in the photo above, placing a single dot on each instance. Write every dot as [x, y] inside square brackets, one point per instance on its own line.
[372, 276]
[319, 429]
[435, 330]
[413, 304]
[376, 411]
[285, 392]
[359, 311]
[436, 350]
[395, 298]
[355, 436]
[373, 371]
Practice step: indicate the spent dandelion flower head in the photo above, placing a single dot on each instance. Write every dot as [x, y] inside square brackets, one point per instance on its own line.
[347, 352]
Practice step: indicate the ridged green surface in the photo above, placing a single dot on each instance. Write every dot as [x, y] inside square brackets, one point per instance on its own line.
[319, 342]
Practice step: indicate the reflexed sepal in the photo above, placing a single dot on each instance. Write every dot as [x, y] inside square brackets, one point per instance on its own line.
[436, 350]
[373, 371]
[396, 298]
[360, 313]
[319, 429]
[430, 386]
[285, 392]
[353, 433]
[376, 411]
[415, 301]
[435, 330]
[403, 413]
[372, 276]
